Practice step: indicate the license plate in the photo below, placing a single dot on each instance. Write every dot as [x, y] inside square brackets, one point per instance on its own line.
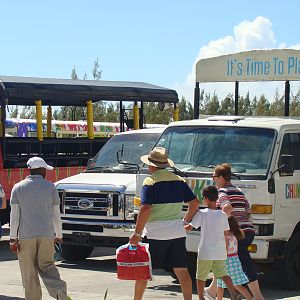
[82, 238]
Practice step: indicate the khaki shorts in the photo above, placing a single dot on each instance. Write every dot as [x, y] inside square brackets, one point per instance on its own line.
[218, 267]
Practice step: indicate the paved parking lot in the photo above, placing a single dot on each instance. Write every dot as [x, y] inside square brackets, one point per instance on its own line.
[89, 279]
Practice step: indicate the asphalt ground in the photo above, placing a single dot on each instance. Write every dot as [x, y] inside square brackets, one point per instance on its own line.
[91, 278]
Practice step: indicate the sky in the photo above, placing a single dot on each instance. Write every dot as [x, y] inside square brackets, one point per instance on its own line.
[157, 42]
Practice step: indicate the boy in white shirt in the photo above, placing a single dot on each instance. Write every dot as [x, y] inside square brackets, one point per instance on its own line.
[212, 247]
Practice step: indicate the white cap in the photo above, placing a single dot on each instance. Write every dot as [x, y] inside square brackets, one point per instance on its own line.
[37, 162]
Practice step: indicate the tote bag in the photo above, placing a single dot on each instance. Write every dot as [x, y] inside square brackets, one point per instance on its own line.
[134, 262]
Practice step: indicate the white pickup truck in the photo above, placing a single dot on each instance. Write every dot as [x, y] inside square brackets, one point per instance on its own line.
[97, 206]
[265, 157]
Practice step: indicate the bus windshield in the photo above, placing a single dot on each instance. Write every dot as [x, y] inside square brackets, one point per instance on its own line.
[134, 145]
[247, 150]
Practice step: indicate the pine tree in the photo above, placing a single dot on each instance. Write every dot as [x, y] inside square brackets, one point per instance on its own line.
[74, 74]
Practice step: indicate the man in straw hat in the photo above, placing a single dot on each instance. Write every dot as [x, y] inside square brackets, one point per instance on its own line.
[160, 220]
[35, 225]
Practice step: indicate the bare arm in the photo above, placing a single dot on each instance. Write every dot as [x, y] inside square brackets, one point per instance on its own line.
[227, 209]
[193, 207]
[142, 219]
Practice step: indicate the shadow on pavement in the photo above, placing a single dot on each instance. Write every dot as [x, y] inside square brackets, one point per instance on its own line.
[10, 298]
[103, 265]
[271, 281]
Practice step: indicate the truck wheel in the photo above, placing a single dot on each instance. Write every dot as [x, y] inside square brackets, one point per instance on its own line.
[291, 264]
[74, 252]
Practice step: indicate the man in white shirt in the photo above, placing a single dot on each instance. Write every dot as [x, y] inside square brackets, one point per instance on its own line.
[35, 225]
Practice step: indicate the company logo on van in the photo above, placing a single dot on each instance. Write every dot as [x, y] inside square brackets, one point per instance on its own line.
[292, 190]
[85, 203]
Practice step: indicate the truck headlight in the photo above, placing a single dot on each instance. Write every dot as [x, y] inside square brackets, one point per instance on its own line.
[129, 207]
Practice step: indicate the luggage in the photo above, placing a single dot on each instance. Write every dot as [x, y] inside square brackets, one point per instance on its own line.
[134, 262]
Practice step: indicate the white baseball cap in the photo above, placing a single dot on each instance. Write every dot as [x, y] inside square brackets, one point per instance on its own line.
[37, 162]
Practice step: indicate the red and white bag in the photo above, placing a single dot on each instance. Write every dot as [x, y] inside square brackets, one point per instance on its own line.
[134, 262]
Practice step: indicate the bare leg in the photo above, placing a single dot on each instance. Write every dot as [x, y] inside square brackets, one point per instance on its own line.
[227, 280]
[220, 293]
[244, 291]
[200, 288]
[139, 289]
[255, 290]
[185, 282]
[212, 289]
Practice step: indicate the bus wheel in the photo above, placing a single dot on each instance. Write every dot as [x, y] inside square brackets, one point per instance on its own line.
[291, 264]
[74, 252]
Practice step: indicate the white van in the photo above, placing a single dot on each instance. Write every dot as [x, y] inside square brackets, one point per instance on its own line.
[265, 157]
[97, 205]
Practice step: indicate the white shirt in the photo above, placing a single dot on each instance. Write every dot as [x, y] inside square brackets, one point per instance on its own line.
[212, 244]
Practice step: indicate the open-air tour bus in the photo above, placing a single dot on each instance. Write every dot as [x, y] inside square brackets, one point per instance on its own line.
[67, 154]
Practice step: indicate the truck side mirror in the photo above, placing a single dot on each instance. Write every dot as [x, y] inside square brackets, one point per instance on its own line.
[89, 161]
[288, 166]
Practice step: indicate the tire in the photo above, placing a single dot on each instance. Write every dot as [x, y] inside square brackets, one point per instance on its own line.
[291, 264]
[75, 253]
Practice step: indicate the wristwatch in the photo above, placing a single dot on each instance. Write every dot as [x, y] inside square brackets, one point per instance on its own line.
[185, 222]
[137, 234]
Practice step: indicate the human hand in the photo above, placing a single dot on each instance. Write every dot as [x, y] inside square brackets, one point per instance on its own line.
[134, 239]
[58, 240]
[14, 246]
[188, 227]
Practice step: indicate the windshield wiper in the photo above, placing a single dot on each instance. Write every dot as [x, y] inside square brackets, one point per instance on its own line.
[179, 172]
[201, 166]
[100, 169]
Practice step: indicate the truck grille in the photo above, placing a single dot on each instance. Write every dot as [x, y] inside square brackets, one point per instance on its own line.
[89, 204]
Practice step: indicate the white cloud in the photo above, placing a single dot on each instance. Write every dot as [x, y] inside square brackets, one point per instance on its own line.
[247, 35]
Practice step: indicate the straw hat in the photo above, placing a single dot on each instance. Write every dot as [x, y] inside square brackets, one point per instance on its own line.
[158, 157]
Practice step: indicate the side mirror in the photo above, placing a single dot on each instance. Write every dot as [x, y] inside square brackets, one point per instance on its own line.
[89, 161]
[288, 166]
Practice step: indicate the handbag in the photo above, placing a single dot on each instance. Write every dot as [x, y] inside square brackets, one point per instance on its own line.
[134, 262]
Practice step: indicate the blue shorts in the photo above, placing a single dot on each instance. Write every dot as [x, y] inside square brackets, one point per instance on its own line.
[167, 254]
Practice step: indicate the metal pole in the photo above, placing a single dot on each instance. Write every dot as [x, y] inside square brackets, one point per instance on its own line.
[196, 101]
[136, 116]
[122, 129]
[236, 99]
[287, 99]
[142, 115]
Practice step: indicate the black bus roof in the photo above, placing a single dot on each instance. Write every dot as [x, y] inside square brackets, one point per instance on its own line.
[67, 92]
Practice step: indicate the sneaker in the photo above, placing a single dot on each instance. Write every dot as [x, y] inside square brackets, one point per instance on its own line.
[207, 294]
